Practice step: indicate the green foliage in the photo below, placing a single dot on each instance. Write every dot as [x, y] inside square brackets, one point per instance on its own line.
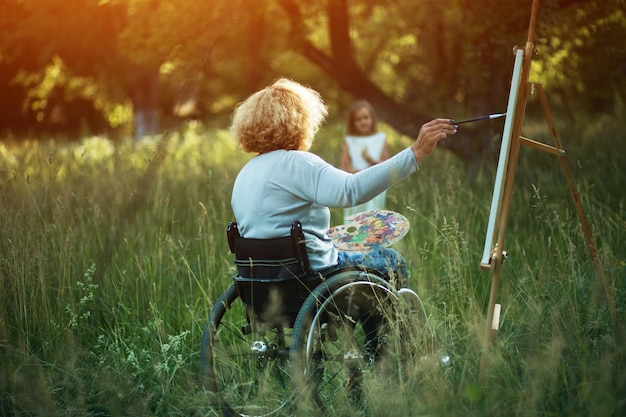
[581, 52]
[113, 253]
[432, 56]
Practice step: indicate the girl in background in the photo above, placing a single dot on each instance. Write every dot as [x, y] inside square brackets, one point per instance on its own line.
[363, 147]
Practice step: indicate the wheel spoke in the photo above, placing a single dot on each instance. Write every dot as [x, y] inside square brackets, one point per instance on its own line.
[250, 372]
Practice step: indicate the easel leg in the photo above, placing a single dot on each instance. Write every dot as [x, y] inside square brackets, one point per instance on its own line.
[490, 333]
[569, 177]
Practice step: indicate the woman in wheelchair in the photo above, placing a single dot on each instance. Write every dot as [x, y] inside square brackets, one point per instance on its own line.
[285, 182]
[311, 312]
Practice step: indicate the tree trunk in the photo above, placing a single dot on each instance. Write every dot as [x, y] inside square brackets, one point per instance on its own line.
[343, 67]
[145, 96]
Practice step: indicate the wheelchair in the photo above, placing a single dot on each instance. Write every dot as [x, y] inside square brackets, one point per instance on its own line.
[282, 339]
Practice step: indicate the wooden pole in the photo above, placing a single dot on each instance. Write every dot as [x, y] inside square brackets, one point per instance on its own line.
[569, 178]
[504, 212]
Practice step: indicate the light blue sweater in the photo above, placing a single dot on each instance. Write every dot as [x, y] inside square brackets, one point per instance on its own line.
[277, 188]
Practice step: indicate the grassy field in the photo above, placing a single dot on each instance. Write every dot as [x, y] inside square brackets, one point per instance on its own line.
[112, 254]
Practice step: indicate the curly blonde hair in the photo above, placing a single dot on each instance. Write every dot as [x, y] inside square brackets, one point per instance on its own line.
[285, 115]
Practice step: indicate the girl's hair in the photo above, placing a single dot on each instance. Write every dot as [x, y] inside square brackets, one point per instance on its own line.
[285, 115]
[357, 105]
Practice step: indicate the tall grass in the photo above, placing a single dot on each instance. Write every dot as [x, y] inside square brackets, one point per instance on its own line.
[112, 254]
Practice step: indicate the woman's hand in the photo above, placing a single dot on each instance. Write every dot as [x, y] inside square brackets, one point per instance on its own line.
[430, 134]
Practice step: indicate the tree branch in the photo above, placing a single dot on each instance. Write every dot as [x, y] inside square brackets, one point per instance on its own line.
[342, 66]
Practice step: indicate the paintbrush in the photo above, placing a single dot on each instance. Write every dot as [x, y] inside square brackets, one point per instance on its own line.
[476, 119]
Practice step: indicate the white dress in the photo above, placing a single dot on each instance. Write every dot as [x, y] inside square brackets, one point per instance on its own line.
[374, 144]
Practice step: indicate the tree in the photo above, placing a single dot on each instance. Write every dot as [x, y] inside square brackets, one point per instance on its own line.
[413, 60]
[448, 56]
[51, 53]
[434, 57]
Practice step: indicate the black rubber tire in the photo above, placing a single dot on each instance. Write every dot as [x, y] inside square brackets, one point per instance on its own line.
[338, 340]
[244, 374]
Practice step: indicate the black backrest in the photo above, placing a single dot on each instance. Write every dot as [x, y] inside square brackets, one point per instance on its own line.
[274, 276]
[270, 259]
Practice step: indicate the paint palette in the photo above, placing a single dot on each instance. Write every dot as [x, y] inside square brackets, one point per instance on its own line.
[369, 230]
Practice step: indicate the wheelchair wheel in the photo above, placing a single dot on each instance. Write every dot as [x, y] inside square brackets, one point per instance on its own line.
[245, 368]
[344, 342]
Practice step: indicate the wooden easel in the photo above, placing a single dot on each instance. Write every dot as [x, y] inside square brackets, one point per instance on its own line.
[494, 254]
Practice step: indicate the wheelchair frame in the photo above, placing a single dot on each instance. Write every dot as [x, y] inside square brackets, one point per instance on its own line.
[304, 342]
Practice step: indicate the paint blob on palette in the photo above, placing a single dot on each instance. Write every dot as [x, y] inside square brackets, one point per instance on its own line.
[369, 230]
